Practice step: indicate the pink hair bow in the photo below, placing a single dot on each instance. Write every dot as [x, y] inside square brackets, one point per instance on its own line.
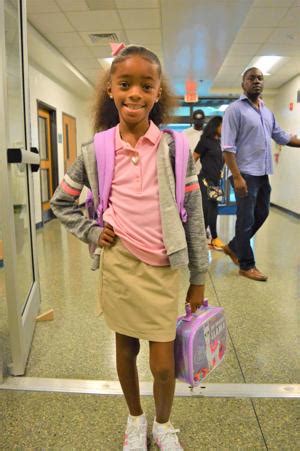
[116, 48]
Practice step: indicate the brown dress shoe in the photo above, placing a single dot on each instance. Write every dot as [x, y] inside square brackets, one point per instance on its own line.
[231, 254]
[254, 274]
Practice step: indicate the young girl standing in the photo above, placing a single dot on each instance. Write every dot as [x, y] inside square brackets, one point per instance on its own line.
[143, 241]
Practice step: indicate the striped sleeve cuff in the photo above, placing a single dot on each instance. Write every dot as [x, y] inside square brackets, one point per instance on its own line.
[70, 187]
[191, 183]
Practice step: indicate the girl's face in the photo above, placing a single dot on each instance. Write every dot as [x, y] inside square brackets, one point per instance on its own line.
[135, 87]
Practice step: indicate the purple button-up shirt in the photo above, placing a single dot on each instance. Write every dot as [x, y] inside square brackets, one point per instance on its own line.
[247, 132]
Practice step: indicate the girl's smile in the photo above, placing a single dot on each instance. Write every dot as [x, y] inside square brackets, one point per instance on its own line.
[133, 106]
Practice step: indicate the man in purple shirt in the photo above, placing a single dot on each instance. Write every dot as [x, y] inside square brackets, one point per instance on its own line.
[247, 129]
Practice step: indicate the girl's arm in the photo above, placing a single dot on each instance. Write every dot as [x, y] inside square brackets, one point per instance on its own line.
[64, 204]
[195, 237]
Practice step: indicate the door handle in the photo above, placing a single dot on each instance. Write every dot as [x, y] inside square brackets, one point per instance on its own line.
[17, 155]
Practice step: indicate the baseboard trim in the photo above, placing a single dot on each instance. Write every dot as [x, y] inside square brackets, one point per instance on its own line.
[286, 210]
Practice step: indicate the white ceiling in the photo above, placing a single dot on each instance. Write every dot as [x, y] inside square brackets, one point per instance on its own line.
[208, 40]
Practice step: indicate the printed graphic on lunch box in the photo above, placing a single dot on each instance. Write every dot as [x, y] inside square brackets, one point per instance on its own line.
[209, 342]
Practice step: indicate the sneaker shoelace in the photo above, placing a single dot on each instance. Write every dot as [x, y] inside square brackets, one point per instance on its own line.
[169, 440]
[136, 436]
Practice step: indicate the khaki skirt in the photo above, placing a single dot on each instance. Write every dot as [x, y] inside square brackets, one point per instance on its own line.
[137, 299]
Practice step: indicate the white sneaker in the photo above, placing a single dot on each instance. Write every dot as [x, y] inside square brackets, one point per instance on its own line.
[136, 434]
[165, 437]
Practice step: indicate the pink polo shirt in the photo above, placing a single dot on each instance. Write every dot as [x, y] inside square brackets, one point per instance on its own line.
[133, 208]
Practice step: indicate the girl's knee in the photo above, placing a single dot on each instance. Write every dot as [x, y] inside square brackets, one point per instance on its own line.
[163, 374]
[127, 347]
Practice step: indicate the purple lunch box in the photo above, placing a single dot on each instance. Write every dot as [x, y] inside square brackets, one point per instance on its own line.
[200, 343]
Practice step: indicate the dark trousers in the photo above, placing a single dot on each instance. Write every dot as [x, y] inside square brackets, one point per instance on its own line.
[252, 211]
[210, 211]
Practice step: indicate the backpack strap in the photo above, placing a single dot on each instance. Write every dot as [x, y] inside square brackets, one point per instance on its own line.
[104, 144]
[182, 152]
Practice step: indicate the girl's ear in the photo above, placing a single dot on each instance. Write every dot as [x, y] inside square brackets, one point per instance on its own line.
[108, 90]
[159, 94]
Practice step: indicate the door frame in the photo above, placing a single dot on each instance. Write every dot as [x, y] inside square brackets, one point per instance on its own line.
[54, 157]
[21, 321]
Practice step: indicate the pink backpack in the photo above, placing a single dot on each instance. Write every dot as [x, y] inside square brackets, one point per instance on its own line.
[104, 143]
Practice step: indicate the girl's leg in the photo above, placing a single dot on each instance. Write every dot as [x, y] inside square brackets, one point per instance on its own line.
[212, 214]
[162, 366]
[127, 349]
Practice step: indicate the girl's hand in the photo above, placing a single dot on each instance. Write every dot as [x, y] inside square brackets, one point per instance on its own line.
[195, 296]
[107, 236]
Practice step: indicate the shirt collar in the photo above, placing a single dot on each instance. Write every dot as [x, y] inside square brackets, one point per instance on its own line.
[244, 97]
[152, 135]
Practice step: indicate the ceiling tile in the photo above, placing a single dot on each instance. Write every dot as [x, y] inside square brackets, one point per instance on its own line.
[144, 37]
[77, 52]
[243, 49]
[140, 18]
[64, 39]
[37, 7]
[86, 63]
[253, 35]
[230, 71]
[264, 17]
[100, 21]
[288, 36]
[272, 3]
[72, 5]
[236, 60]
[137, 4]
[292, 18]
[100, 51]
[50, 22]
[279, 49]
[98, 5]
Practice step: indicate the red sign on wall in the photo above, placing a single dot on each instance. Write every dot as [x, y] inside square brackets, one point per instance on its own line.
[191, 94]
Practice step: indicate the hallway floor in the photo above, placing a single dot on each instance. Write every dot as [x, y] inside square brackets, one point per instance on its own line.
[262, 320]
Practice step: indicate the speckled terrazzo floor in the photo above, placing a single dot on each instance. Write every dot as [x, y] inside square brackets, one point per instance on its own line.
[263, 319]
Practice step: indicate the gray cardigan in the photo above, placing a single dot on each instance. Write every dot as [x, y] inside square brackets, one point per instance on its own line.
[185, 242]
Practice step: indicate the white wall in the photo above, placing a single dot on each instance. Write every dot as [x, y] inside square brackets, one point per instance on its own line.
[44, 89]
[286, 179]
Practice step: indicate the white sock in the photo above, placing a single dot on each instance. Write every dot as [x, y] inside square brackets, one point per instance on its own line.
[137, 418]
[164, 425]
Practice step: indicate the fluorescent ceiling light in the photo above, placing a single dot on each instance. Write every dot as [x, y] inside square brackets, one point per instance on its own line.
[265, 63]
[223, 107]
[105, 62]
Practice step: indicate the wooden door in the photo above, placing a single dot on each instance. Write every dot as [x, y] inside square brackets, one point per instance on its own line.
[46, 158]
[69, 134]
